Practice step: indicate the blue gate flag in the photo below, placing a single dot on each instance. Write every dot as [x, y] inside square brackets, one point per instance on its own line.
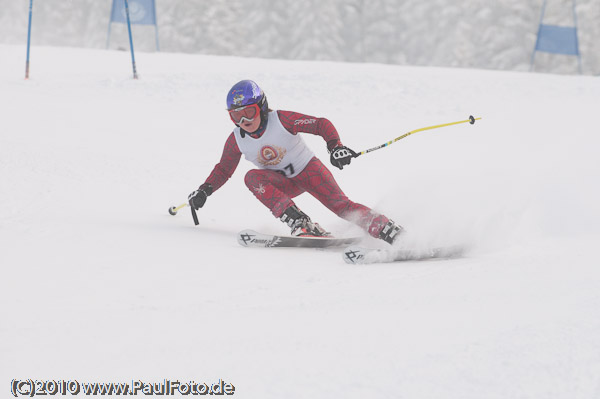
[557, 40]
[141, 12]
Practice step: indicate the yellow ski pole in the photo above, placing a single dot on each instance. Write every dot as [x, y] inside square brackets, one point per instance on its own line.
[173, 210]
[471, 120]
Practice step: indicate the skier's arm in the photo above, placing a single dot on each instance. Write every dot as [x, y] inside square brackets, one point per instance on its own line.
[295, 122]
[226, 166]
[219, 175]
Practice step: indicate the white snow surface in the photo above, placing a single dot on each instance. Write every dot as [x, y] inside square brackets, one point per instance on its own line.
[100, 283]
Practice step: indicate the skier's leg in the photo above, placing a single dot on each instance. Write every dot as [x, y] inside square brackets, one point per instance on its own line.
[320, 183]
[276, 191]
[273, 189]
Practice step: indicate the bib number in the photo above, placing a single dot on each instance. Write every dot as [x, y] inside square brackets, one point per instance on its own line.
[287, 170]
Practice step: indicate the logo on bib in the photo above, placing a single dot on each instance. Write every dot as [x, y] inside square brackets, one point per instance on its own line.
[270, 155]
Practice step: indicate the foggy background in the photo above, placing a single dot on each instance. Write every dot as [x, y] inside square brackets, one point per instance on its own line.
[462, 33]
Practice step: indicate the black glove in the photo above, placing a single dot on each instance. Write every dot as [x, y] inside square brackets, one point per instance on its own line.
[341, 156]
[197, 199]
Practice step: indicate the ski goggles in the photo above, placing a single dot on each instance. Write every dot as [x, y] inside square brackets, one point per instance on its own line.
[248, 112]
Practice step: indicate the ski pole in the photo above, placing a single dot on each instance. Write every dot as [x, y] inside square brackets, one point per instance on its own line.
[173, 211]
[194, 216]
[471, 120]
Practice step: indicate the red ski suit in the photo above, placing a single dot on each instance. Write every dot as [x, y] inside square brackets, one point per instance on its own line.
[276, 191]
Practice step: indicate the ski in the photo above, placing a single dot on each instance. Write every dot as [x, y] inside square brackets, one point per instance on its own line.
[360, 255]
[251, 238]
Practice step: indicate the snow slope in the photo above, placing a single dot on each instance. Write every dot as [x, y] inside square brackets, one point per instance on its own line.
[100, 283]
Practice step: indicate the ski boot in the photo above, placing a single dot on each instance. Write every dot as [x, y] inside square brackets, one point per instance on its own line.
[390, 232]
[301, 224]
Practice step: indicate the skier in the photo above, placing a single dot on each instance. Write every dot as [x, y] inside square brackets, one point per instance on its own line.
[286, 166]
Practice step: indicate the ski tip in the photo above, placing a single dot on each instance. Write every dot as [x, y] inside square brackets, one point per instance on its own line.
[244, 237]
[359, 255]
[354, 255]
